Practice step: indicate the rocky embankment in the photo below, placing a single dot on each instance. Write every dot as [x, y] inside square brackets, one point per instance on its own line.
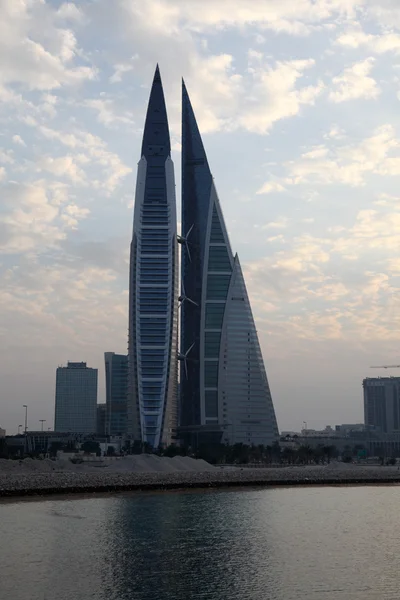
[153, 473]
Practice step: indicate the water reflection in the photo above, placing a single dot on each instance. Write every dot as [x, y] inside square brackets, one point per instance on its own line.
[181, 546]
[286, 544]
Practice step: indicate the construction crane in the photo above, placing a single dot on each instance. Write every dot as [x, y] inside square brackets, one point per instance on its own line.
[387, 367]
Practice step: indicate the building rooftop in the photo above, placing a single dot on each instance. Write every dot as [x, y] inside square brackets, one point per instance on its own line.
[382, 378]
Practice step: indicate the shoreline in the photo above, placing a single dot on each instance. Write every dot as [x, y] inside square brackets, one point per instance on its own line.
[20, 485]
[110, 489]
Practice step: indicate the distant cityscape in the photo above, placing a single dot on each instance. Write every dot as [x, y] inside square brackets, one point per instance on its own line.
[209, 385]
[78, 417]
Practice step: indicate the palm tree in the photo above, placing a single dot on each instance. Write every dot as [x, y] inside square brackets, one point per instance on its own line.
[329, 452]
[318, 453]
[288, 455]
[276, 451]
[305, 453]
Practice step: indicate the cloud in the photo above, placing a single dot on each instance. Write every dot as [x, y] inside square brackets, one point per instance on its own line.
[280, 16]
[225, 94]
[6, 156]
[354, 82]
[34, 52]
[29, 220]
[106, 112]
[274, 94]
[311, 303]
[215, 92]
[73, 213]
[17, 139]
[315, 299]
[29, 295]
[308, 253]
[347, 164]
[335, 133]
[373, 230]
[271, 186]
[386, 13]
[92, 151]
[70, 12]
[385, 199]
[120, 69]
[63, 166]
[379, 44]
[37, 216]
[279, 224]
[276, 238]
[69, 104]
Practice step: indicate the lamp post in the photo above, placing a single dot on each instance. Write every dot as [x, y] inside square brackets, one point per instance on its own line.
[42, 421]
[26, 416]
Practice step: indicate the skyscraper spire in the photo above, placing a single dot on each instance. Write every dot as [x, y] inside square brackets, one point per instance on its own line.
[191, 138]
[225, 394]
[153, 285]
[156, 131]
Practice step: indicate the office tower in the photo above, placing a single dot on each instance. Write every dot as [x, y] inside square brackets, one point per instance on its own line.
[153, 291]
[382, 403]
[101, 419]
[76, 399]
[116, 369]
[225, 394]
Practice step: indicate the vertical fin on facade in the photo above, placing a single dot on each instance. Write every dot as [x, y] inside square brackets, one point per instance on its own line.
[196, 206]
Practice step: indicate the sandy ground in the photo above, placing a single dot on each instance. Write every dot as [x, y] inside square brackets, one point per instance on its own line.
[151, 472]
[144, 463]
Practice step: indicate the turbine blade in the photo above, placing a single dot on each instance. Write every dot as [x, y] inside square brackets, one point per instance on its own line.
[189, 232]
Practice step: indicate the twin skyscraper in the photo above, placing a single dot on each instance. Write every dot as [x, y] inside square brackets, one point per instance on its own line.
[196, 371]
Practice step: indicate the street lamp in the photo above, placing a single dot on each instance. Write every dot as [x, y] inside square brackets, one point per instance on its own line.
[42, 421]
[26, 416]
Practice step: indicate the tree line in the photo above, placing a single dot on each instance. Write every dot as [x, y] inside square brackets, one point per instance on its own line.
[236, 454]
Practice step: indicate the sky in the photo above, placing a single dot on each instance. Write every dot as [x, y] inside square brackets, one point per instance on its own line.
[299, 107]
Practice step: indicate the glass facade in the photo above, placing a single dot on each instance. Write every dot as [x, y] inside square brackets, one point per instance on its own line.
[116, 369]
[76, 399]
[223, 380]
[382, 403]
[153, 337]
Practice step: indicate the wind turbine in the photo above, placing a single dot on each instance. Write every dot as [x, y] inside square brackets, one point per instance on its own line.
[182, 298]
[184, 357]
[185, 241]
